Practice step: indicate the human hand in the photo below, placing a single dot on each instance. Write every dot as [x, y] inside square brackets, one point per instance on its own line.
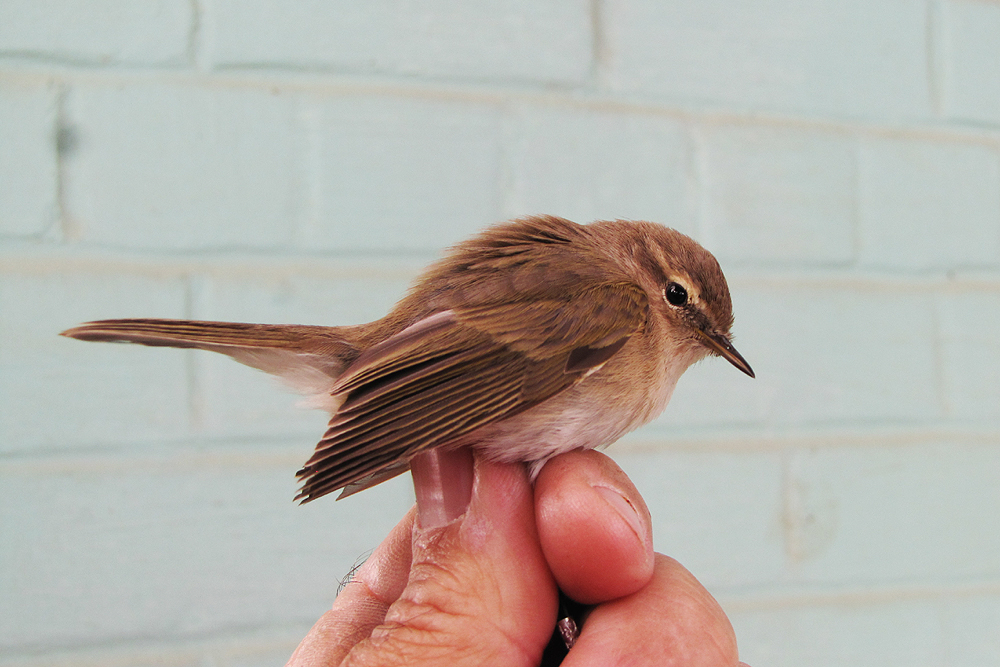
[469, 576]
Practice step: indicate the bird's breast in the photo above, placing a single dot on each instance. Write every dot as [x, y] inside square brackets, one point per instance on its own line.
[628, 391]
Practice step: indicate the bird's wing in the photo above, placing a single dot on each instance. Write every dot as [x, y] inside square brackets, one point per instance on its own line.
[308, 358]
[457, 370]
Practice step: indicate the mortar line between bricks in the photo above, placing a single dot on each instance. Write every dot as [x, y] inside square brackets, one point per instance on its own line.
[193, 293]
[599, 49]
[47, 261]
[193, 454]
[295, 444]
[194, 34]
[511, 133]
[853, 595]
[699, 177]
[751, 440]
[63, 139]
[938, 347]
[790, 536]
[35, 259]
[495, 93]
[123, 651]
[942, 616]
[855, 194]
[936, 53]
[310, 135]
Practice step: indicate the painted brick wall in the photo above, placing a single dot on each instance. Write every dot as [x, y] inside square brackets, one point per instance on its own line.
[299, 162]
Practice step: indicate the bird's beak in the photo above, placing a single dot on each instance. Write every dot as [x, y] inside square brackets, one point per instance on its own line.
[721, 346]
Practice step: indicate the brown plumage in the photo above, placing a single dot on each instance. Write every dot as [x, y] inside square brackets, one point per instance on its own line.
[531, 338]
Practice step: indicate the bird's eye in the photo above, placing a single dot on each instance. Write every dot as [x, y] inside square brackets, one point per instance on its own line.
[675, 294]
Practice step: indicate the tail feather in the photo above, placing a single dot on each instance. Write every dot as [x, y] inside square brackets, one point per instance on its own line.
[309, 358]
[194, 333]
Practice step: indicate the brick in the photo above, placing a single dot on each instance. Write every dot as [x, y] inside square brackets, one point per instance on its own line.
[345, 293]
[928, 205]
[779, 195]
[97, 31]
[901, 514]
[591, 165]
[182, 544]
[888, 633]
[972, 61]
[796, 339]
[170, 167]
[61, 393]
[846, 59]
[508, 39]
[404, 174]
[236, 400]
[971, 354]
[718, 513]
[28, 170]
[971, 624]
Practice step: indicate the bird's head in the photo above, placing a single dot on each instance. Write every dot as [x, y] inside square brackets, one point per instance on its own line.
[685, 286]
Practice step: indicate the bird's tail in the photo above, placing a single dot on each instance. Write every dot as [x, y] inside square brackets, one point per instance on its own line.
[309, 358]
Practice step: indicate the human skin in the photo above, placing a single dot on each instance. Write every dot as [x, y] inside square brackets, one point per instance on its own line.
[470, 576]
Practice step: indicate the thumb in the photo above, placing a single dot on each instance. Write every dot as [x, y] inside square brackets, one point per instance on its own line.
[479, 590]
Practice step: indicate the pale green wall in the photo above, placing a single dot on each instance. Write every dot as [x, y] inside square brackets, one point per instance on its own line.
[298, 161]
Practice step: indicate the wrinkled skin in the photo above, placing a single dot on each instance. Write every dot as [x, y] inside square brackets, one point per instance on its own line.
[470, 578]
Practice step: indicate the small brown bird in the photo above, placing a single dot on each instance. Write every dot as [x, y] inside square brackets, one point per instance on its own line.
[532, 338]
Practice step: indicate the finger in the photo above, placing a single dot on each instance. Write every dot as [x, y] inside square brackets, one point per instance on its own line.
[362, 604]
[442, 482]
[479, 590]
[672, 621]
[594, 527]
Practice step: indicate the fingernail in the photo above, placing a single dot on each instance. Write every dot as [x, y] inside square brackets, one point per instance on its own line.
[442, 482]
[623, 507]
